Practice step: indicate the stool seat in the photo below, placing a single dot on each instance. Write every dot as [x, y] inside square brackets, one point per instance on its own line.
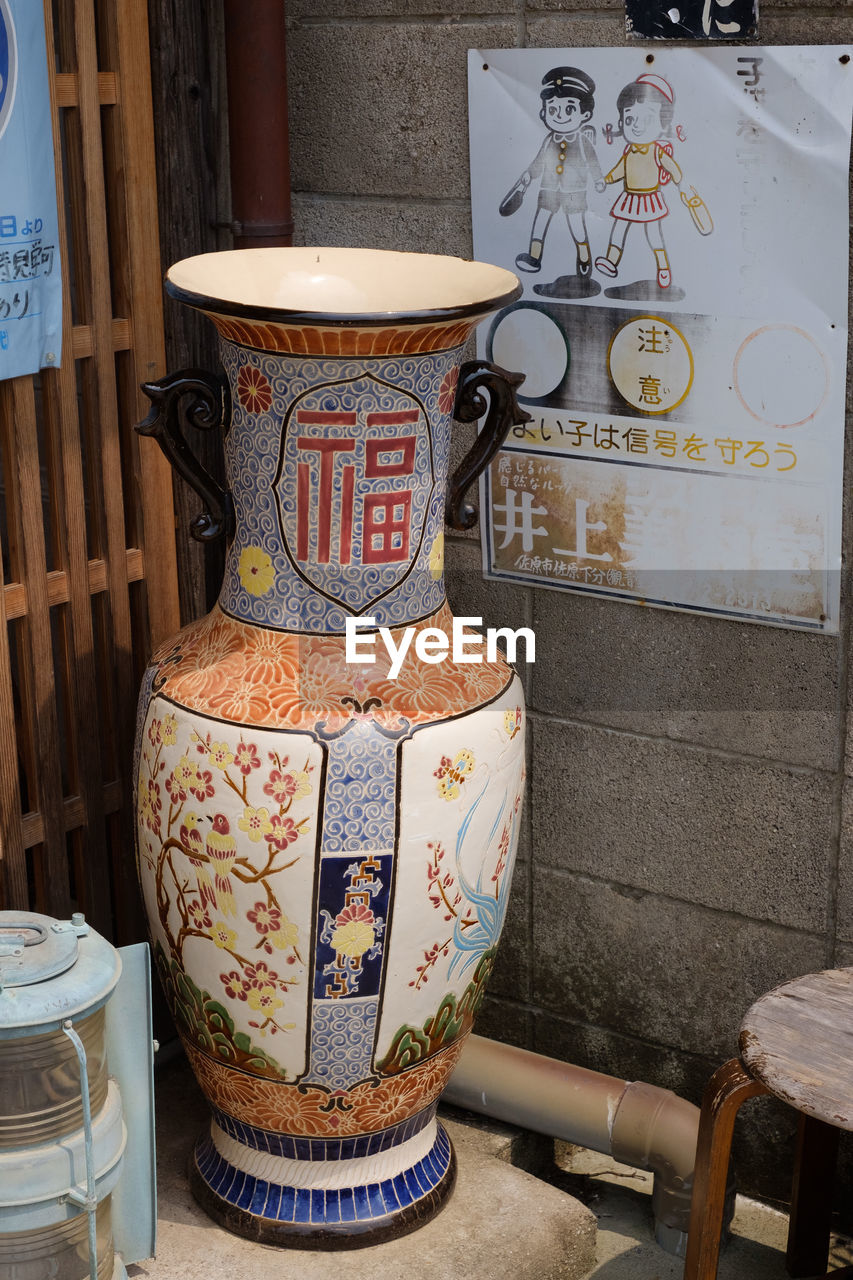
[798, 1041]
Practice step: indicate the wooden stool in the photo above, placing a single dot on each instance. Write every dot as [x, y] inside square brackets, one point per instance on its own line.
[796, 1043]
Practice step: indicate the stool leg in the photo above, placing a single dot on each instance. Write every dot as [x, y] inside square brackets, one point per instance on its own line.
[811, 1198]
[728, 1088]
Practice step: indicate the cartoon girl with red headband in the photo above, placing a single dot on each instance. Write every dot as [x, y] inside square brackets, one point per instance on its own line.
[646, 108]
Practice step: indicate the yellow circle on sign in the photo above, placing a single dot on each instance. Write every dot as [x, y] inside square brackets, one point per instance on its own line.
[650, 364]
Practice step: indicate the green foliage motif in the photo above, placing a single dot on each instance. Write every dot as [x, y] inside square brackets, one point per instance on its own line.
[207, 1024]
[450, 1020]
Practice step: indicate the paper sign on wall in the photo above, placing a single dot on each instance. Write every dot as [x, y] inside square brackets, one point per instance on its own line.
[679, 223]
[30, 282]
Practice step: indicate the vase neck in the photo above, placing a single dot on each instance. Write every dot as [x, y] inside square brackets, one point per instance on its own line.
[337, 470]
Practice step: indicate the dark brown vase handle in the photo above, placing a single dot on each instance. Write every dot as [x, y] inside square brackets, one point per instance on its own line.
[475, 377]
[196, 399]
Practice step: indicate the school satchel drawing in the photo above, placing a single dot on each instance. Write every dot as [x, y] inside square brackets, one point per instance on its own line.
[698, 210]
[511, 202]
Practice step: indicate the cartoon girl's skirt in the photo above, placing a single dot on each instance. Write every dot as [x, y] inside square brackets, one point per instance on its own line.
[640, 206]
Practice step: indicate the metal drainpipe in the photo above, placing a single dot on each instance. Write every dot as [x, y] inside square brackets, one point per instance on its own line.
[638, 1124]
[256, 67]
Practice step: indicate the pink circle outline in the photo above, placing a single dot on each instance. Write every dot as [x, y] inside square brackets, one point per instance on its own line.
[787, 328]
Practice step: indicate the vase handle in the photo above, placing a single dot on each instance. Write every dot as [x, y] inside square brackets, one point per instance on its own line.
[193, 398]
[503, 412]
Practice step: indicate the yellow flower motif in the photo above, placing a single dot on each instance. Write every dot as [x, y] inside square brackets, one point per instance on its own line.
[219, 755]
[287, 935]
[183, 776]
[169, 731]
[436, 557]
[222, 935]
[353, 938]
[512, 721]
[145, 809]
[303, 785]
[452, 773]
[255, 822]
[256, 571]
[447, 789]
[263, 1000]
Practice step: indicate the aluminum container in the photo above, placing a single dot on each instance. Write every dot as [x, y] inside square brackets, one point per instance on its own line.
[65, 1043]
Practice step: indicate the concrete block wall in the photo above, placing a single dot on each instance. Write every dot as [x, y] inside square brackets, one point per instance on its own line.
[689, 827]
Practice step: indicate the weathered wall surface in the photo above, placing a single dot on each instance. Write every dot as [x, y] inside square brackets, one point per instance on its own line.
[690, 818]
[689, 837]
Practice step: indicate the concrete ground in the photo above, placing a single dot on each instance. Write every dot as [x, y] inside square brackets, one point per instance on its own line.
[499, 1221]
[583, 1218]
[625, 1249]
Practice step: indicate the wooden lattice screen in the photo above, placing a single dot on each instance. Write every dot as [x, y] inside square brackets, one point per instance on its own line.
[86, 522]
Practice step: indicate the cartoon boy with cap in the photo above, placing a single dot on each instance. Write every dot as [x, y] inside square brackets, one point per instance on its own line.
[646, 107]
[565, 164]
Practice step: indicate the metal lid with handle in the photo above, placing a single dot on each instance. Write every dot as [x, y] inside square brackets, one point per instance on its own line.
[51, 970]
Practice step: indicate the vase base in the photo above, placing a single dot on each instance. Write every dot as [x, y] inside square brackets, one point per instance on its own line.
[343, 1217]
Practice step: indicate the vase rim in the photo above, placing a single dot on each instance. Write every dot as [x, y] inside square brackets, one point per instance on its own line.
[321, 286]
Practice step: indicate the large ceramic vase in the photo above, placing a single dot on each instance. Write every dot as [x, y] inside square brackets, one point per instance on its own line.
[325, 846]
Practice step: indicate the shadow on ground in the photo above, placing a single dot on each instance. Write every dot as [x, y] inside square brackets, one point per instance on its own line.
[620, 1198]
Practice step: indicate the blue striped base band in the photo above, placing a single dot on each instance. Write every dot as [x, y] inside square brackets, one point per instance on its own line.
[326, 1203]
[304, 1148]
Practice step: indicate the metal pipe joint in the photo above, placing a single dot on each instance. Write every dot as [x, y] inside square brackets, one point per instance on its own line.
[637, 1124]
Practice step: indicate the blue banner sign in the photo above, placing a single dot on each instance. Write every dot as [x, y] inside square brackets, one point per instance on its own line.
[30, 277]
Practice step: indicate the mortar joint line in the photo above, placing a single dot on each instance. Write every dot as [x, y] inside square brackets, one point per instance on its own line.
[696, 748]
[436, 19]
[344, 197]
[537, 1010]
[636, 892]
